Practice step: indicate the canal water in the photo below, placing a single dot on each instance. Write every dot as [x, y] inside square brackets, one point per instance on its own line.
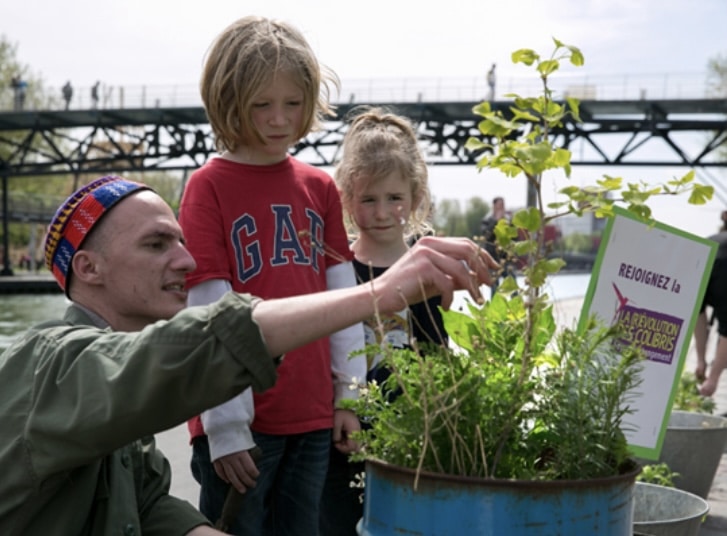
[21, 311]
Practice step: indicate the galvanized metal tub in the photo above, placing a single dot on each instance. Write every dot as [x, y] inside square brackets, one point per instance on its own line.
[662, 511]
[693, 447]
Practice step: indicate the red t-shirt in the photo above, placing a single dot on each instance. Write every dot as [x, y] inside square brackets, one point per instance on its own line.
[271, 231]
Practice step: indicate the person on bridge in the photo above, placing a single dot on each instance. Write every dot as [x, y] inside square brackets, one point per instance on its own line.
[20, 89]
[715, 298]
[67, 91]
[491, 80]
[83, 396]
[94, 95]
[260, 221]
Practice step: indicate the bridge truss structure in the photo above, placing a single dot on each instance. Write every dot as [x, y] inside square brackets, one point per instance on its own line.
[683, 132]
[611, 133]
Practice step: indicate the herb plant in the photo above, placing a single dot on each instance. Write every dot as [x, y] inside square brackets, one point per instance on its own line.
[688, 397]
[659, 474]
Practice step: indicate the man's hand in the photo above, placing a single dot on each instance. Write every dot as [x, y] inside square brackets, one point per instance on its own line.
[238, 469]
[435, 266]
[345, 423]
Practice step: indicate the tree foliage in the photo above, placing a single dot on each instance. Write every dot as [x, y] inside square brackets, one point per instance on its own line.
[717, 76]
[10, 65]
[450, 219]
[48, 191]
[578, 243]
[717, 88]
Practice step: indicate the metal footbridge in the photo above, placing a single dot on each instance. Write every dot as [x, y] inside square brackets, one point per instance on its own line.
[612, 133]
[641, 132]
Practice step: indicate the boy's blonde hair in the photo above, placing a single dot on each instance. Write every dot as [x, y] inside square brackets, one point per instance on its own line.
[242, 60]
[376, 144]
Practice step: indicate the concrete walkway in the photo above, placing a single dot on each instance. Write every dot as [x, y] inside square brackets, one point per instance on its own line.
[175, 442]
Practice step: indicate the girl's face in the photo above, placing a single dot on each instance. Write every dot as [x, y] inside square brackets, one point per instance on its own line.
[381, 208]
[277, 113]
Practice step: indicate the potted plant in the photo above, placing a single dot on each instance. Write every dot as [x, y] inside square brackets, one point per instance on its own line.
[519, 429]
[661, 508]
[664, 510]
[695, 439]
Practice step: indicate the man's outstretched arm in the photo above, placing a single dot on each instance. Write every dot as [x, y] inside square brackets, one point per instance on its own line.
[434, 266]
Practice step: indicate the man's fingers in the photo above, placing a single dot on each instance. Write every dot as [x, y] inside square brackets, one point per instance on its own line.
[452, 274]
[437, 266]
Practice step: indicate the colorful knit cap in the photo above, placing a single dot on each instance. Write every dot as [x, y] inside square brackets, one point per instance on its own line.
[77, 216]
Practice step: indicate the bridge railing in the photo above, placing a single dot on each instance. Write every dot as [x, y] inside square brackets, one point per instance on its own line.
[620, 87]
[690, 85]
[23, 206]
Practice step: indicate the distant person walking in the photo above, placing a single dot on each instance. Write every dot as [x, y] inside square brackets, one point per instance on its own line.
[716, 298]
[67, 93]
[14, 84]
[94, 95]
[20, 87]
[491, 80]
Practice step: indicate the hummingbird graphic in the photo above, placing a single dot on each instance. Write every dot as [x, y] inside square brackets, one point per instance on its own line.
[622, 301]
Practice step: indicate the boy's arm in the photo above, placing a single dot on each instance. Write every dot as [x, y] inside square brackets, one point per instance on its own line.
[228, 425]
[347, 370]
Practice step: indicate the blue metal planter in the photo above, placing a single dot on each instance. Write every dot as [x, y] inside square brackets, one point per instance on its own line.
[444, 505]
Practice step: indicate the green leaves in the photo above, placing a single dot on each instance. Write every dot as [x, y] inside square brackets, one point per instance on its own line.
[659, 474]
[525, 55]
[548, 67]
[538, 272]
[688, 397]
[528, 219]
[700, 194]
[496, 125]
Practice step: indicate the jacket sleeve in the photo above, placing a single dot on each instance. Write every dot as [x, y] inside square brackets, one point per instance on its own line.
[111, 387]
[161, 514]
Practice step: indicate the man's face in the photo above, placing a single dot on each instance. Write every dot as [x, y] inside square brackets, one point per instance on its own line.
[141, 263]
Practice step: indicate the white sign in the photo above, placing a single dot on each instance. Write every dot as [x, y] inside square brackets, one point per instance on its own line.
[650, 279]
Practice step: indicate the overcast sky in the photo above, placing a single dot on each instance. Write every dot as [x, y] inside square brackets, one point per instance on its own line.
[163, 42]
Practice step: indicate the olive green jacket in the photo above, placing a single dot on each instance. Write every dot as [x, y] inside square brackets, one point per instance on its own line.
[79, 405]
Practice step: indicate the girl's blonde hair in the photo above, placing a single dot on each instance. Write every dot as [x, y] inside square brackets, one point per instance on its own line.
[377, 143]
[242, 60]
